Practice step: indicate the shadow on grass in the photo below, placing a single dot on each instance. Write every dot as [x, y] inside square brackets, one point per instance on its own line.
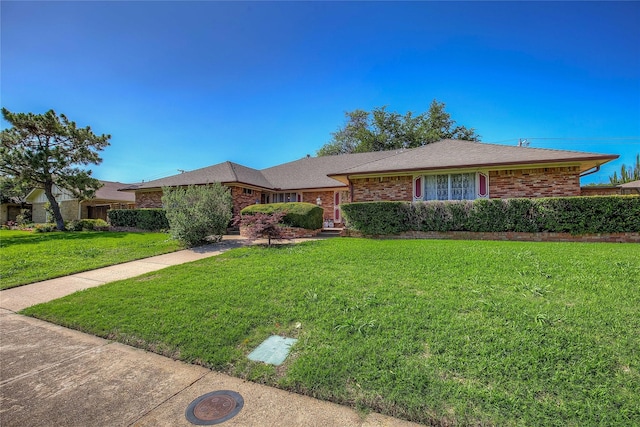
[62, 236]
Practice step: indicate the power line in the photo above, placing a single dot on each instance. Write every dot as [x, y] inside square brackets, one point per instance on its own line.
[574, 139]
[614, 138]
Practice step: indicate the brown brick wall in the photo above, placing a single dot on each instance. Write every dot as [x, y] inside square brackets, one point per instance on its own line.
[289, 232]
[153, 199]
[542, 182]
[148, 199]
[383, 188]
[242, 200]
[599, 191]
[327, 201]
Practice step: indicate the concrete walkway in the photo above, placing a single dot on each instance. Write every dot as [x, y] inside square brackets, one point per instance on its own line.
[54, 376]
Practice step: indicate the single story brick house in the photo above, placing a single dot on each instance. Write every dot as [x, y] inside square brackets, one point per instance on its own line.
[444, 170]
[106, 197]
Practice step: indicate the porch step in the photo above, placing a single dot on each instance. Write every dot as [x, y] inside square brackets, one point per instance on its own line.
[330, 232]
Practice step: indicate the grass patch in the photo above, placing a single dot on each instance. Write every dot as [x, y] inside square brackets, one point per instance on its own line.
[438, 332]
[28, 257]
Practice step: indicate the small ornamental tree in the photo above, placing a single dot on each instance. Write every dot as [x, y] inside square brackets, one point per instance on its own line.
[261, 224]
[196, 213]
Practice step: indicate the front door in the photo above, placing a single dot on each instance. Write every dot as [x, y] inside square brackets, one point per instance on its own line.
[337, 199]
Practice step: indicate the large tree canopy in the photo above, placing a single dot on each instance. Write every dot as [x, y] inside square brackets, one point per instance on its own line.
[43, 150]
[383, 130]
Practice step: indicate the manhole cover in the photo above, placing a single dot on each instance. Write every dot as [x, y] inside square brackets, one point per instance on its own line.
[214, 408]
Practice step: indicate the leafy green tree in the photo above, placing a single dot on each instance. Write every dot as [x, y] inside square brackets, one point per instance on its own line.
[43, 150]
[383, 130]
[627, 173]
[12, 190]
[197, 213]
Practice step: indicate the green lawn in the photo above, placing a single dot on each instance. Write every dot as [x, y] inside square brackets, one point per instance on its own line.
[439, 332]
[27, 257]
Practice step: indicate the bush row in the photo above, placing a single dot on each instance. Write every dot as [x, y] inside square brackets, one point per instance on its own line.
[303, 215]
[575, 215]
[145, 219]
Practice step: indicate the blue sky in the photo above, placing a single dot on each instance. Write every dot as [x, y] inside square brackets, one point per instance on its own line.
[183, 85]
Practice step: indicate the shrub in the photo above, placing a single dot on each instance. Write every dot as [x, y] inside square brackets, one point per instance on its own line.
[377, 218]
[260, 224]
[145, 219]
[197, 212]
[45, 228]
[24, 217]
[88, 225]
[297, 214]
[576, 215]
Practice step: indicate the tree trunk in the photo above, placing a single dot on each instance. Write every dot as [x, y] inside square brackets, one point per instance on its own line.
[55, 207]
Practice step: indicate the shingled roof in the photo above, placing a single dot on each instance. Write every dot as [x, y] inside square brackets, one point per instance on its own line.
[632, 184]
[225, 172]
[312, 172]
[109, 191]
[331, 171]
[456, 154]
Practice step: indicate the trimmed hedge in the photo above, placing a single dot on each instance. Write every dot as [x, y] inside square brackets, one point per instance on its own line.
[575, 215]
[145, 219]
[303, 215]
[88, 225]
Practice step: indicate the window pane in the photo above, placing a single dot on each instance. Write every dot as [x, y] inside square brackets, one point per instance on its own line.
[431, 187]
[442, 186]
[457, 187]
[470, 186]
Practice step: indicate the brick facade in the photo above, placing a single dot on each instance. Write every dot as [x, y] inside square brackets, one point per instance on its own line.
[326, 197]
[396, 188]
[241, 198]
[531, 183]
[289, 232]
[244, 197]
[599, 191]
[148, 199]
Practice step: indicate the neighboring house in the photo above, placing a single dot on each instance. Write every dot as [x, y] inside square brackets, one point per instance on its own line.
[445, 170]
[11, 208]
[600, 190]
[632, 187]
[106, 197]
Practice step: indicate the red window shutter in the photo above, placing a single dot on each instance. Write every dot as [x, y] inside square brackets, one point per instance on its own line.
[299, 197]
[417, 188]
[483, 187]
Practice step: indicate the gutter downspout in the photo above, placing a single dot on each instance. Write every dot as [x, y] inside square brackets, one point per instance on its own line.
[590, 172]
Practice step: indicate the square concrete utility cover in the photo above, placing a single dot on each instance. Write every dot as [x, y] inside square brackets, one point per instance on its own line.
[273, 350]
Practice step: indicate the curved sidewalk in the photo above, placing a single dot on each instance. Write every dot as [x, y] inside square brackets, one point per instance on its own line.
[54, 376]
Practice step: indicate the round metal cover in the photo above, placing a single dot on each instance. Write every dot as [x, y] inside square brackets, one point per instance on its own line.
[214, 408]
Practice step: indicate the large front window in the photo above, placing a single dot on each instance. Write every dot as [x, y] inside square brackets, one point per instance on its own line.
[452, 186]
[283, 197]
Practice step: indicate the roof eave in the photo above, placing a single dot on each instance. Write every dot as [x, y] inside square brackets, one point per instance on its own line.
[588, 162]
